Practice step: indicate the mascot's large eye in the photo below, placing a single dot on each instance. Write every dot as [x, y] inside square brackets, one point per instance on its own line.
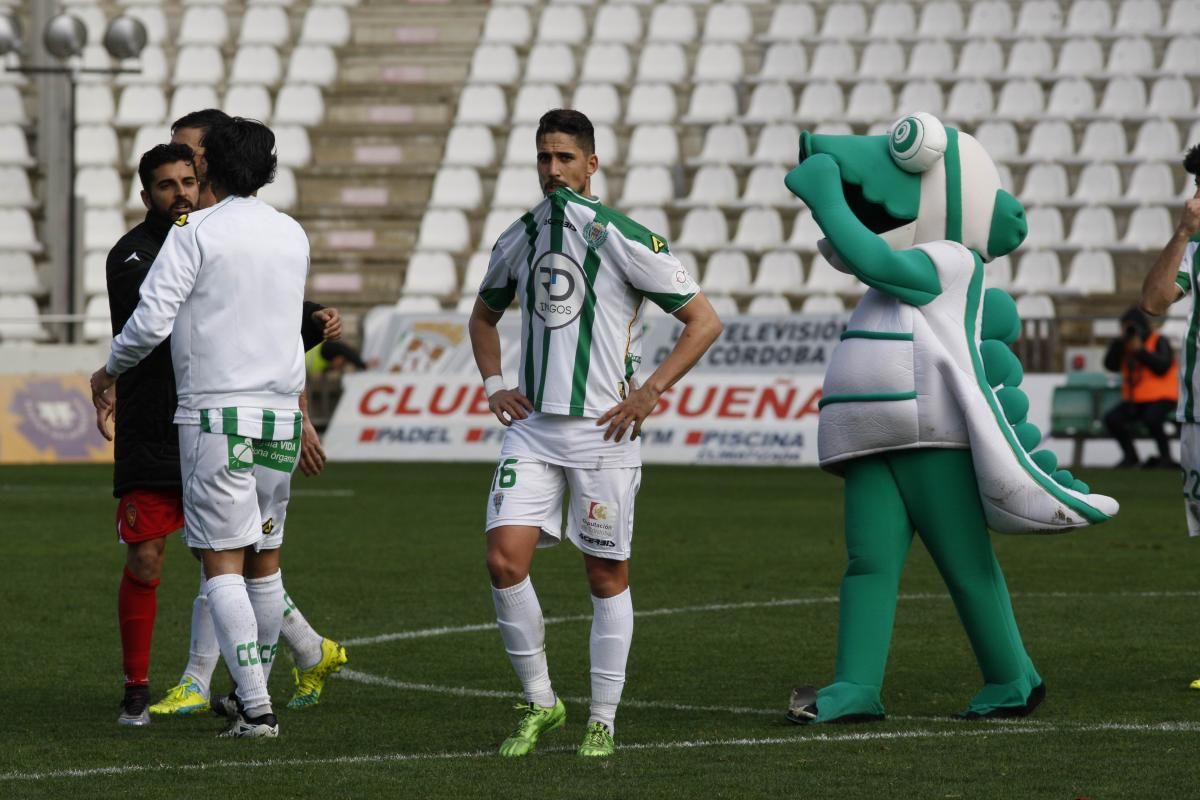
[917, 142]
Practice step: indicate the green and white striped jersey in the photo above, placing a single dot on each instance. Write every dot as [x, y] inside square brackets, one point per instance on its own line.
[580, 272]
[1189, 381]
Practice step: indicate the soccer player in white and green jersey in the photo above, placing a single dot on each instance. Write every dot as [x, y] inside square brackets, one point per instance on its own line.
[581, 273]
[1172, 278]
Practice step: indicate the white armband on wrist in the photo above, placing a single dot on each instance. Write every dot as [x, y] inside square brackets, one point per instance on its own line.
[493, 384]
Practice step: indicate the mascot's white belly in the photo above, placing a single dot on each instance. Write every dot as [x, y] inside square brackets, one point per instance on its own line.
[908, 377]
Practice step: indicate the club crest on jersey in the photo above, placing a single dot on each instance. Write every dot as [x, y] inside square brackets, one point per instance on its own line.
[181, 220]
[594, 233]
[131, 515]
[559, 288]
[497, 501]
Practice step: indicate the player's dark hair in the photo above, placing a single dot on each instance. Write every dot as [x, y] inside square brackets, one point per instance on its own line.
[1191, 162]
[200, 120]
[571, 122]
[240, 155]
[158, 155]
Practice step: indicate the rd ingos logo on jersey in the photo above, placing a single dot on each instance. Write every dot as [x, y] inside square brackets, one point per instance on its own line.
[559, 289]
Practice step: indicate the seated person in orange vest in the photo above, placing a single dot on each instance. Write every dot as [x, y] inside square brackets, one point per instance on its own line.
[1149, 387]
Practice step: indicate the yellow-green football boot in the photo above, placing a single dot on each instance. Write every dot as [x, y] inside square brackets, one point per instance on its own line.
[310, 682]
[535, 721]
[182, 700]
[597, 742]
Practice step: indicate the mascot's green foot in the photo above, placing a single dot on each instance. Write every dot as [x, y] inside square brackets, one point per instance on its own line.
[841, 703]
[1036, 696]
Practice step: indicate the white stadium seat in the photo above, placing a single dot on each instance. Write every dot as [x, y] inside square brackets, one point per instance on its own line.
[312, 63]
[265, 25]
[1091, 272]
[202, 25]
[1093, 226]
[980, 59]
[18, 274]
[1184, 16]
[16, 231]
[922, 95]
[14, 147]
[970, 99]
[870, 101]
[728, 22]
[418, 304]
[565, 24]
[98, 186]
[20, 315]
[779, 272]
[1099, 182]
[728, 272]
[331, 25]
[96, 145]
[940, 18]
[662, 62]
[718, 62]
[998, 138]
[1020, 99]
[456, 187]
[791, 22]
[293, 145]
[1030, 58]
[1050, 140]
[778, 143]
[765, 187]
[496, 222]
[533, 100]
[988, 17]
[712, 102]
[703, 229]
[516, 187]
[1081, 57]
[1045, 227]
[1149, 228]
[446, 229]
[724, 144]
[784, 61]
[1038, 271]
[507, 24]
[844, 20]
[773, 102]
[1171, 97]
[833, 60]
[95, 277]
[819, 102]
[647, 186]
[892, 19]
[1140, 16]
[550, 63]
[200, 64]
[299, 104]
[599, 101]
[1103, 139]
[248, 100]
[823, 278]
[102, 227]
[1040, 17]
[430, 273]
[256, 63]
[470, 145]
[139, 106]
[619, 22]
[1182, 56]
[1131, 55]
[672, 23]
[521, 146]
[713, 185]
[769, 305]
[805, 232]
[1152, 182]
[1045, 183]
[882, 60]
[605, 62]
[1071, 97]
[187, 99]
[653, 144]
[759, 229]
[649, 102]
[822, 304]
[1123, 97]
[1089, 17]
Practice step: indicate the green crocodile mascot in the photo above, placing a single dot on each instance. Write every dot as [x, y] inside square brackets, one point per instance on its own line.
[921, 411]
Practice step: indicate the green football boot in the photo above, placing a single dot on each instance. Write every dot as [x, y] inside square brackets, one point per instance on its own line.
[533, 723]
[597, 742]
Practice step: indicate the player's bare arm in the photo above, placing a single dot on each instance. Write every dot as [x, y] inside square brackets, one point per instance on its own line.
[312, 454]
[701, 327]
[1159, 290]
[506, 404]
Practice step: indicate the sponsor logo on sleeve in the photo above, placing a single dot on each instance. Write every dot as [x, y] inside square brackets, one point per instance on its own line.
[182, 220]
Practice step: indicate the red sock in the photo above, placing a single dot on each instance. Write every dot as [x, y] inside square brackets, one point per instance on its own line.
[137, 604]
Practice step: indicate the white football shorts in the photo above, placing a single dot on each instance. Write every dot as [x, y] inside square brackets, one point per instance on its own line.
[526, 491]
[235, 490]
[1189, 461]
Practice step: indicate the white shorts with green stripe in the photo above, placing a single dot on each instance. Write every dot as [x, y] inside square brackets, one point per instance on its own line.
[1189, 461]
[529, 492]
[235, 489]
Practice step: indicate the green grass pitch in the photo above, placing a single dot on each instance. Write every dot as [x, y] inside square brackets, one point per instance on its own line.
[735, 577]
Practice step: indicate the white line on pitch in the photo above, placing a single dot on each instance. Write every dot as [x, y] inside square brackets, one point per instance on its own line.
[799, 739]
[446, 630]
[464, 691]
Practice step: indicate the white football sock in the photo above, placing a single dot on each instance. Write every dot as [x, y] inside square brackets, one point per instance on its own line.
[204, 651]
[266, 596]
[237, 633]
[523, 631]
[300, 636]
[612, 633]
